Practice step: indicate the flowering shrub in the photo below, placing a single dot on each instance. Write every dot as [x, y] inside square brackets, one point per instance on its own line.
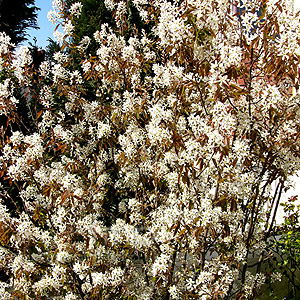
[148, 170]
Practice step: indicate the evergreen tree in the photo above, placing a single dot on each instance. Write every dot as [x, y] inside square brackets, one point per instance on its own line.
[16, 16]
[95, 13]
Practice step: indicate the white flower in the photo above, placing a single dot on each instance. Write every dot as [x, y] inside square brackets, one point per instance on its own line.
[75, 9]
[75, 78]
[60, 57]
[16, 138]
[84, 43]
[68, 28]
[160, 265]
[276, 276]
[86, 66]
[63, 257]
[71, 296]
[4, 294]
[173, 290]
[44, 68]
[58, 36]
[100, 279]
[5, 43]
[103, 130]
[81, 268]
[58, 4]
[52, 16]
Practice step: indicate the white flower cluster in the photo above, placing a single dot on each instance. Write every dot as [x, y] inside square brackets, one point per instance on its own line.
[5, 43]
[111, 278]
[75, 9]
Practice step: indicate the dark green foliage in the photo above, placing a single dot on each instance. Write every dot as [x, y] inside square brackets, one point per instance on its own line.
[286, 251]
[16, 16]
[51, 48]
[93, 15]
[289, 247]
